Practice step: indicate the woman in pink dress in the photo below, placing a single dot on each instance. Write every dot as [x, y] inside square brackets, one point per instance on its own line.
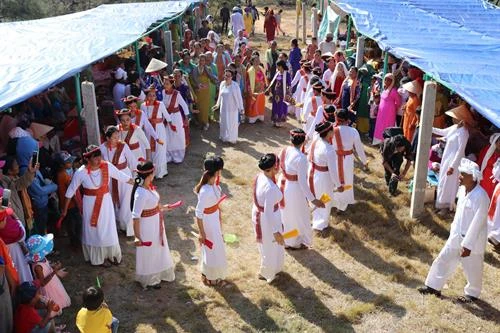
[389, 104]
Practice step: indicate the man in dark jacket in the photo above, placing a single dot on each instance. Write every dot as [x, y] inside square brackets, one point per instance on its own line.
[224, 15]
[394, 150]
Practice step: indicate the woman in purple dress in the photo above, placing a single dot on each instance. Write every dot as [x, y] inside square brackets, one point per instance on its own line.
[281, 92]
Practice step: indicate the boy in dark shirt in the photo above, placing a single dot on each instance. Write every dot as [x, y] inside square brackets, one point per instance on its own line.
[393, 150]
[224, 15]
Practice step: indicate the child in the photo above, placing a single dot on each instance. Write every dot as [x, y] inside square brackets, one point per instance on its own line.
[373, 113]
[311, 48]
[95, 316]
[47, 275]
[278, 23]
[27, 318]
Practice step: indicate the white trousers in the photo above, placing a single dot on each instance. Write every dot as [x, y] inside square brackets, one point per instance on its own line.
[445, 265]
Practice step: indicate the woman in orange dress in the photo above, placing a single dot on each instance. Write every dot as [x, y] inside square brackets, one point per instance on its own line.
[256, 85]
[410, 115]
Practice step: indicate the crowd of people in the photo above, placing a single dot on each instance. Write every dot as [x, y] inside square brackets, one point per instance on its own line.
[111, 186]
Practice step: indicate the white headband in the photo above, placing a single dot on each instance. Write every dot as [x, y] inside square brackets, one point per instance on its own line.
[471, 168]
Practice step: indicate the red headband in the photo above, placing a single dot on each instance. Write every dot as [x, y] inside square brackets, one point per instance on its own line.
[326, 129]
[87, 154]
[292, 133]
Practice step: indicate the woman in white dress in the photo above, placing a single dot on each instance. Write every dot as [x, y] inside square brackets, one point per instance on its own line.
[208, 218]
[323, 178]
[296, 193]
[133, 135]
[456, 137]
[158, 115]
[230, 103]
[266, 219]
[99, 235]
[153, 261]
[118, 153]
[175, 104]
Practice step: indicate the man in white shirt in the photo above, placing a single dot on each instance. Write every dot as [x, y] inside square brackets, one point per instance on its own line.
[237, 21]
[467, 240]
[328, 45]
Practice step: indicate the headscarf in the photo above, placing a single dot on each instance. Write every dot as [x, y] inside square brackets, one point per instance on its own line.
[336, 73]
[491, 149]
[496, 171]
[471, 168]
[391, 76]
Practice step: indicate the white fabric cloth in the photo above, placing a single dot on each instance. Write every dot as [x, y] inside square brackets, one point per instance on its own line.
[454, 151]
[311, 132]
[325, 47]
[138, 136]
[122, 208]
[295, 213]
[144, 124]
[237, 23]
[213, 261]
[154, 263]
[176, 141]
[494, 221]
[118, 94]
[236, 45]
[468, 230]
[231, 104]
[272, 254]
[17, 255]
[299, 93]
[327, 75]
[159, 156]
[100, 242]
[307, 112]
[350, 141]
[324, 181]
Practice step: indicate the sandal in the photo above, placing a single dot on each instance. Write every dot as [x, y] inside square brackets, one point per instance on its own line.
[105, 264]
[222, 283]
[466, 299]
[205, 280]
[115, 261]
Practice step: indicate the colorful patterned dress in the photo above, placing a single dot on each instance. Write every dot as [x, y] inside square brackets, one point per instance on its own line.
[280, 107]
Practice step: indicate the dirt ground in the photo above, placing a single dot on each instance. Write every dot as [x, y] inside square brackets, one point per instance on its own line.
[362, 277]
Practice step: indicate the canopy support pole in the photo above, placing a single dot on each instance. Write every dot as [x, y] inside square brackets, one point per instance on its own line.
[78, 94]
[297, 20]
[137, 57]
[386, 60]
[181, 31]
[315, 23]
[424, 142]
[348, 34]
[304, 22]
[360, 51]
[169, 52]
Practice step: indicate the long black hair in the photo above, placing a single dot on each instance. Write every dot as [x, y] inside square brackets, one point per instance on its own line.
[143, 171]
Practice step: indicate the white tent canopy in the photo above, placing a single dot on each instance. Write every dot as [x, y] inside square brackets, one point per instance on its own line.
[37, 54]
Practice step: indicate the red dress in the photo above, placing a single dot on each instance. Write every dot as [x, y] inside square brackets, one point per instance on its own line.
[270, 27]
[487, 183]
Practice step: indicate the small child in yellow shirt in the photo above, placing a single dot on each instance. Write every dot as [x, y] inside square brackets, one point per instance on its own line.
[95, 316]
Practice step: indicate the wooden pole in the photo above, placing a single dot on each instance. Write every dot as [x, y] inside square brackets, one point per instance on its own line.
[169, 52]
[297, 22]
[304, 23]
[137, 57]
[348, 33]
[386, 64]
[360, 51]
[315, 27]
[424, 143]
[78, 93]
[90, 114]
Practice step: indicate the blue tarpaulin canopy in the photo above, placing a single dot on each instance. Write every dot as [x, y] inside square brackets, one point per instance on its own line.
[37, 54]
[457, 42]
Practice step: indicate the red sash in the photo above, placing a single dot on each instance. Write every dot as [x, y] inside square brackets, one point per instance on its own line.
[154, 120]
[138, 116]
[493, 204]
[304, 75]
[98, 194]
[215, 208]
[286, 176]
[314, 167]
[173, 100]
[314, 103]
[130, 132]
[114, 182]
[260, 210]
[153, 212]
[340, 154]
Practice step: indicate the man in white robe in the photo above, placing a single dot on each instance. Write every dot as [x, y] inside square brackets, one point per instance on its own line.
[266, 219]
[237, 23]
[323, 178]
[99, 235]
[345, 142]
[296, 192]
[467, 240]
[494, 211]
[133, 136]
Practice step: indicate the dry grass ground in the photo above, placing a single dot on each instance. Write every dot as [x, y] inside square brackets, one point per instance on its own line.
[362, 277]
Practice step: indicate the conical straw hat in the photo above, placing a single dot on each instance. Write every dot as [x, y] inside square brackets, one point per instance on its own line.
[155, 65]
[40, 130]
[413, 87]
[461, 112]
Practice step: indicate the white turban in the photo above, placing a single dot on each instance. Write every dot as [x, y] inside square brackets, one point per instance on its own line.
[471, 168]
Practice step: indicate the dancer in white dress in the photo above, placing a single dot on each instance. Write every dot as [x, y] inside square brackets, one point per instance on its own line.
[175, 104]
[467, 241]
[138, 117]
[327, 98]
[266, 218]
[345, 142]
[311, 106]
[323, 178]
[301, 78]
[158, 115]
[456, 139]
[99, 235]
[230, 103]
[208, 218]
[296, 193]
[133, 136]
[118, 153]
[153, 261]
